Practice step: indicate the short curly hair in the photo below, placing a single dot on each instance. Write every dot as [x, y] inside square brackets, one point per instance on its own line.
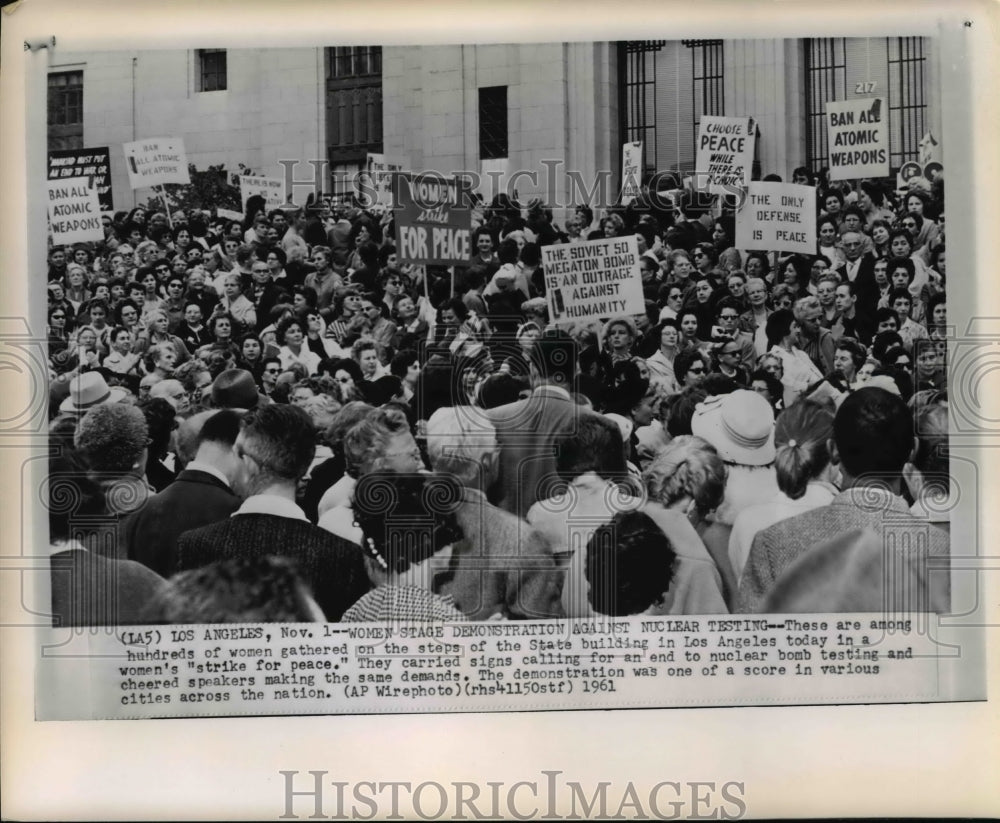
[112, 437]
[687, 467]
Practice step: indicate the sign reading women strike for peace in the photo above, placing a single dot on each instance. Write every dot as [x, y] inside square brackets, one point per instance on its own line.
[156, 161]
[272, 189]
[74, 211]
[598, 278]
[433, 219]
[778, 217]
[858, 135]
[725, 152]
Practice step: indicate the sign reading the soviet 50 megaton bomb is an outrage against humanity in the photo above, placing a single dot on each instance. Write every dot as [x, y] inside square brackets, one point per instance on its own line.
[595, 279]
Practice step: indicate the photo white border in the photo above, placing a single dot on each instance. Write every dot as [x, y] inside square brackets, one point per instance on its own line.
[830, 761]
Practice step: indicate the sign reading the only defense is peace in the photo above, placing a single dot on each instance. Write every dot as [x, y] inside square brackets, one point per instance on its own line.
[593, 279]
[858, 135]
[725, 153]
[156, 161]
[778, 217]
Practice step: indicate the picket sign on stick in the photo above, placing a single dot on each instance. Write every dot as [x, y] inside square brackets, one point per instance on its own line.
[777, 217]
[166, 207]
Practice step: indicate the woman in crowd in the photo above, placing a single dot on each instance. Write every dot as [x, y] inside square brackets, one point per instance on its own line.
[590, 459]
[828, 237]
[661, 363]
[798, 370]
[685, 483]
[236, 304]
[806, 479]
[881, 231]
[122, 359]
[349, 379]
[723, 235]
[347, 317]
[617, 338]
[293, 348]
[916, 204]
[157, 332]
[408, 529]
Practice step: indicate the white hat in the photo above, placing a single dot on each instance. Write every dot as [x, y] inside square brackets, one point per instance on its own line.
[740, 425]
[88, 390]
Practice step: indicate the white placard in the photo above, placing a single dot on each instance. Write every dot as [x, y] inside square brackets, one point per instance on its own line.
[725, 153]
[858, 134]
[272, 189]
[631, 171]
[74, 211]
[156, 161]
[778, 217]
[594, 279]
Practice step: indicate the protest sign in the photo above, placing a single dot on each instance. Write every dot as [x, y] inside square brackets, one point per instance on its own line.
[778, 217]
[433, 219]
[858, 133]
[226, 214]
[907, 172]
[725, 152]
[272, 189]
[94, 164]
[74, 211]
[377, 188]
[593, 279]
[930, 149]
[631, 171]
[156, 161]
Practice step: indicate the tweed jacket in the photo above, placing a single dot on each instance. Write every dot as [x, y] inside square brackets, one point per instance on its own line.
[861, 507]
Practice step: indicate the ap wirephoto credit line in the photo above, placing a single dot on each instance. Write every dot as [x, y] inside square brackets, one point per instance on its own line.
[385, 378]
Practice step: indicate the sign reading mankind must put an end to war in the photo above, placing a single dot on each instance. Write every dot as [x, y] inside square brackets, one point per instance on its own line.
[598, 278]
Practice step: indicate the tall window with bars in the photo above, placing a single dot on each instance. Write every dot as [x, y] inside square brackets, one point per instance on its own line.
[494, 142]
[707, 78]
[65, 110]
[907, 101]
[842, 69]
[637, 68]
[211, 69]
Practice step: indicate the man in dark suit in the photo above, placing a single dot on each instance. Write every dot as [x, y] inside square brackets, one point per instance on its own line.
[873, 437]
[276, 447]
[201, 494]
[859, 269]
[527, 429]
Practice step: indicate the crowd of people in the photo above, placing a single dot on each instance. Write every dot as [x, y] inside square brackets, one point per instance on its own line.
[278, 419]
